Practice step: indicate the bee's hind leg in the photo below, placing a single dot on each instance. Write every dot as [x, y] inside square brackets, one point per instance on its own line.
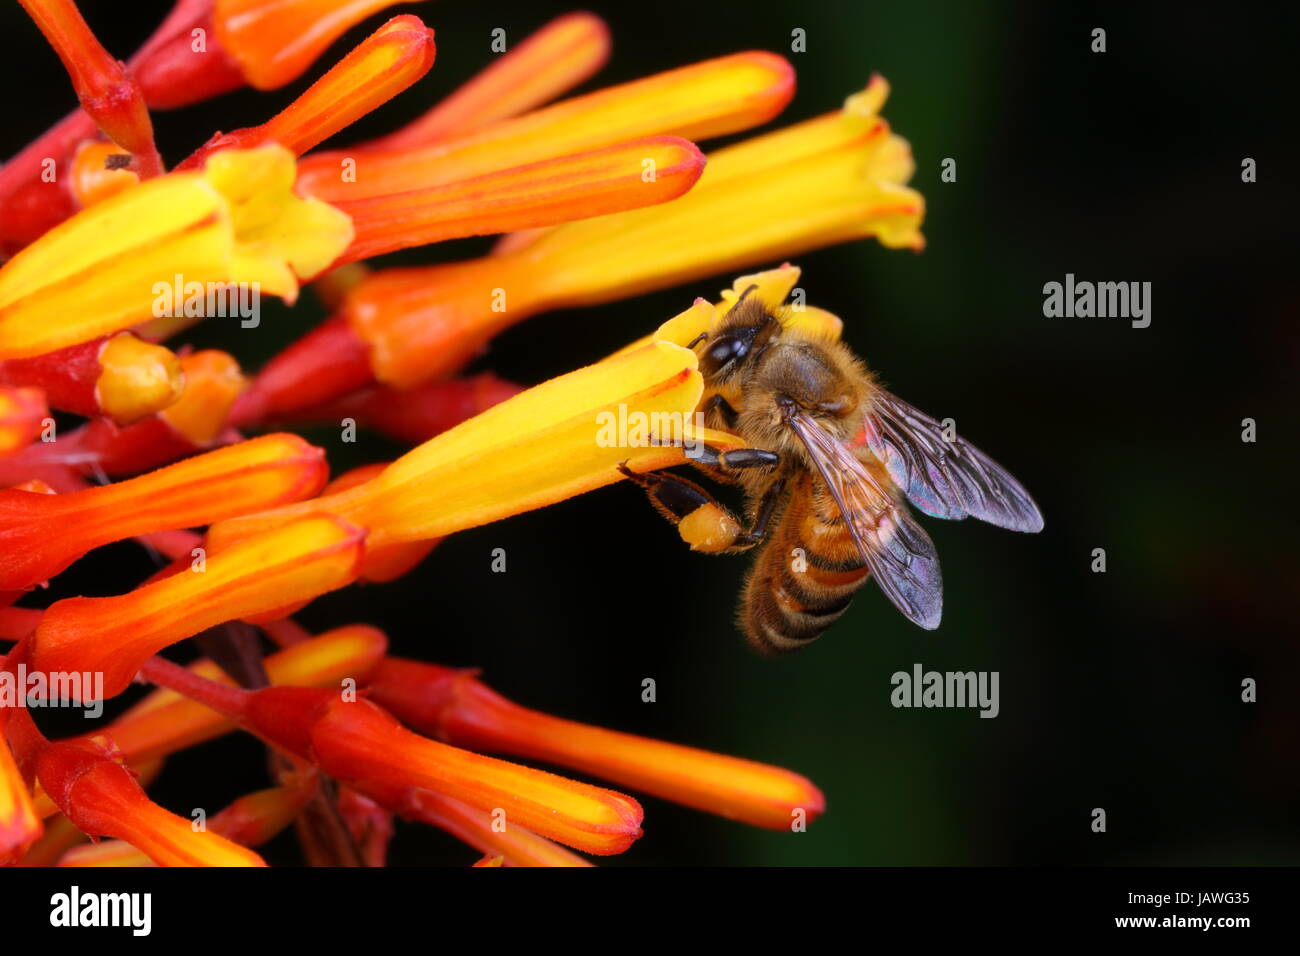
[704, 523]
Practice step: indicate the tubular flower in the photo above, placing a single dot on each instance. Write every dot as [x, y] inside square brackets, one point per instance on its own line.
[358, 743]
[537, 448]
[697, 102]
[824, 181]
[116, 635]
[42, 534]
[556, 58]
[515, 845]
[598, 196]
[101, 797]
[166, 722]
[192, 423]
[387, 62]
[237, 221]
[456, 707]
[250, 821]
[119, 377]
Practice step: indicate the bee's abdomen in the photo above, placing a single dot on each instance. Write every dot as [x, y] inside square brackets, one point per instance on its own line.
[796, 592]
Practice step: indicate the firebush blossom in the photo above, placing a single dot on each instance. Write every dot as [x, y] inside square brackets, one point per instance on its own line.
[597, 197]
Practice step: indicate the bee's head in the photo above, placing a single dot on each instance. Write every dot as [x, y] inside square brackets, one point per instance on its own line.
[741, 338]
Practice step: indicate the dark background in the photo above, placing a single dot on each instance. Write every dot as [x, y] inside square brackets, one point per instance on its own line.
[1118, 690]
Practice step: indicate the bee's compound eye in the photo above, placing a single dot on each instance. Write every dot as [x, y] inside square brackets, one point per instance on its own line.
[726, 349]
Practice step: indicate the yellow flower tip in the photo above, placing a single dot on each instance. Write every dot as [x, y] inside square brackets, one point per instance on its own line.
[237, 221]
[771, 287]
[274, 41]
[138, 378]
[824, 181]
[116, 635]
[869, 101]
[22, 410]
[95, 177]
[556, 58]
[213, 380]
[279, 235]
[491, 861]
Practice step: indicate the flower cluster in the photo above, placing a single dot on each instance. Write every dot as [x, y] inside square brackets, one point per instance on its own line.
[112, 256]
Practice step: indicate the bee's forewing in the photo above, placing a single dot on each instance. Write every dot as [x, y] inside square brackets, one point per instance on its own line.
[945, 479]
[896, 549]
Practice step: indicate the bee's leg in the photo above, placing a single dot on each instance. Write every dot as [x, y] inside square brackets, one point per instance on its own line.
[704, 523]
[722, 407]
[763, 516]
[736, 458]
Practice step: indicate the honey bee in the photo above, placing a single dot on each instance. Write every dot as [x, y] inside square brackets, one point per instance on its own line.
[831, 460]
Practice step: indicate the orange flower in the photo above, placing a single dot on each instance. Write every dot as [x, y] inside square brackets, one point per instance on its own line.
[514, 846]
[454, 706]
[696, 102]
[119, 377]
[547, 192]
[820, 182]
[540, 447]
[556, 58]
[42, 534]
[358, 743]
[387, 62]
[250, 821]
[101, 798]
[116, 635]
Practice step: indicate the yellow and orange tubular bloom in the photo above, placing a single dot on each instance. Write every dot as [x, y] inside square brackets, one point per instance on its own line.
[455, 706]
[824, 181]
[387, 62]
[116, 635]
[185, 456]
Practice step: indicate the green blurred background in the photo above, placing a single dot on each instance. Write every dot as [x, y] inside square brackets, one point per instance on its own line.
[1118, 690]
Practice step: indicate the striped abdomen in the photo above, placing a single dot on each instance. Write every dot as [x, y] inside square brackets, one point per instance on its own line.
[805, 576]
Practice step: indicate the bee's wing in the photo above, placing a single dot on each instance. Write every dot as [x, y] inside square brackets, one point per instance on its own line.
[945, 479]
[896, 549]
